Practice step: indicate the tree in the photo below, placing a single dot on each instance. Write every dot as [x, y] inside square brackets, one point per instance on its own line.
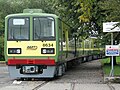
[16, 6]
[112, 12]
[83, 16]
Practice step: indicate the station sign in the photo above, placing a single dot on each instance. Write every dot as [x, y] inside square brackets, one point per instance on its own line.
[110, 27]
[112, 50]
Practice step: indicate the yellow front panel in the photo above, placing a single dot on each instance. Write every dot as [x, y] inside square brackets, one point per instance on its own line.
[31, 48]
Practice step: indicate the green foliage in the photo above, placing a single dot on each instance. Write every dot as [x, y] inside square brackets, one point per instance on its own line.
[17, 6]
[1, 46]
[107, 60]
[111, 9]
[84, 16]
[86, 8]
[107, 67]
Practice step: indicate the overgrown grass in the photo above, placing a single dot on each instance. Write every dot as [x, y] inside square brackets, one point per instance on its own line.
[107, 67]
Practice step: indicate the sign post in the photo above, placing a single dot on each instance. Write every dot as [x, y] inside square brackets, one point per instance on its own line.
[111, 50]
[112, 64]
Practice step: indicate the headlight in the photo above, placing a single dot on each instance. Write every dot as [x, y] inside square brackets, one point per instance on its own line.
[14, 50]
[44, 51]
[47, 51]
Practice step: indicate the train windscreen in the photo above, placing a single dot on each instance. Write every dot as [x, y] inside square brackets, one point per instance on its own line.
[18, 28]
[43, 28]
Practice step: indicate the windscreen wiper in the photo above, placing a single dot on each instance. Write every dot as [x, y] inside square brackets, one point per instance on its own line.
[12, 34]
[37, 35]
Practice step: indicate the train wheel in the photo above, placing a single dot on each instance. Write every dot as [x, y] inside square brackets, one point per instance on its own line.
[63, 69]
[60, 70]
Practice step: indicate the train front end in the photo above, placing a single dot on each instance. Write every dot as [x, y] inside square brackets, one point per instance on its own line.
[30, 45]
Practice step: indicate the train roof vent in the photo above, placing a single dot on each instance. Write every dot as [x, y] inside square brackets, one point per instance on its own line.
[33, 11]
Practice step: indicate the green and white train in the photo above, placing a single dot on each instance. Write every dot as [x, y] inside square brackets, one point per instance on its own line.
[37, 45]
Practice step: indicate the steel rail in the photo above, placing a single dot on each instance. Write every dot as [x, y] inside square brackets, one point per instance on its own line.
[110, 86]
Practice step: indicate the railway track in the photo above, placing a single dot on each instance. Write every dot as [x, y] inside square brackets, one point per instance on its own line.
[39, 86]
[86, 76]
[72, 86]
[110, 87]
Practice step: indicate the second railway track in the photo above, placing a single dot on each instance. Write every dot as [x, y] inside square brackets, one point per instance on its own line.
[39, 86]
[111, 87]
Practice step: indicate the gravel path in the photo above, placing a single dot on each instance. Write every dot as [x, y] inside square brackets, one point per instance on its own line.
[86, 76]
[85, 73]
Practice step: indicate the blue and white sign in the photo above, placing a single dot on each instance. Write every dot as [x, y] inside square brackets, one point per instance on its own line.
[112, 50]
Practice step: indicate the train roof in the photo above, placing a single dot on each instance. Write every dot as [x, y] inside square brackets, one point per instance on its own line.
[31, 14]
